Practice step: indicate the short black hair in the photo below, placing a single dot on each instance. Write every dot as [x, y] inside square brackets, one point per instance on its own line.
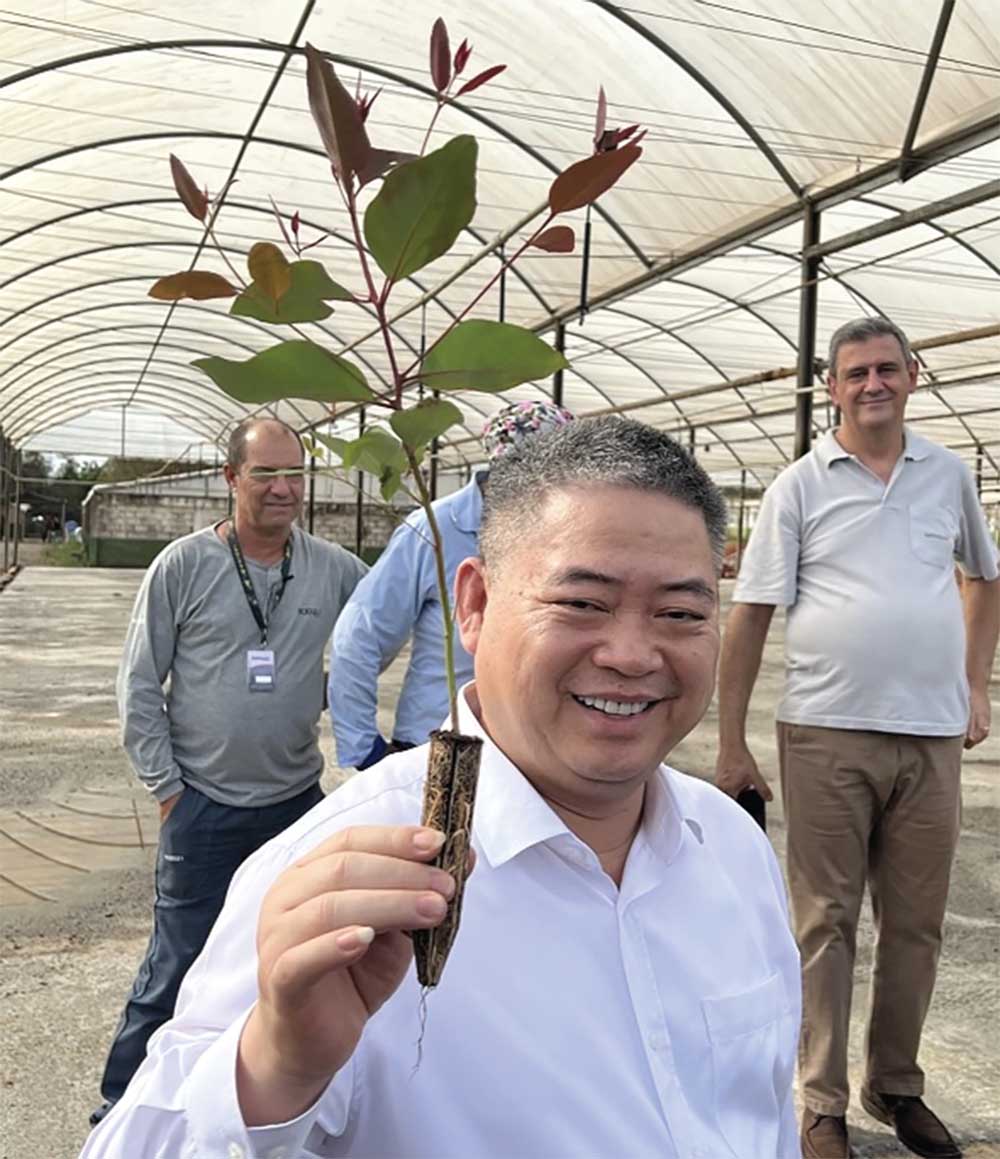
[605, 450]
[236, 450]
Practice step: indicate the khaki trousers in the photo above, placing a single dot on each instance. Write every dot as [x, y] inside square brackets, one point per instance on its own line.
[884, 808]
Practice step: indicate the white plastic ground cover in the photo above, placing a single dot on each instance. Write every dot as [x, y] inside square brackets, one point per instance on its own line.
[694, 274]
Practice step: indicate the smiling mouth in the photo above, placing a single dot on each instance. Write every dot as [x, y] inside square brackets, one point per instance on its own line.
[615, 707]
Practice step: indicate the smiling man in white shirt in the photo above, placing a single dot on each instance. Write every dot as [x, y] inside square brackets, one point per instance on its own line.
[624, 982]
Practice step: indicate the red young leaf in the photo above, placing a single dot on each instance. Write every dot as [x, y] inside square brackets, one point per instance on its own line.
[602, 116]
[380, 161]
[622, 135]
[197, 284]
[337, 118]
[195, 202]
[365, 104]
[462, 54]
[585, 181]
[560, 239]
[440, 56]
[480, 79]
[296, 224]
[607, 141]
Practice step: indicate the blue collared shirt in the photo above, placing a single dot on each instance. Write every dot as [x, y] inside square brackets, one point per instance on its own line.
[399, 598]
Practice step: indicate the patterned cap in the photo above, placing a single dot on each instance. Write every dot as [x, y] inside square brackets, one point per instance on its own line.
[520, 421]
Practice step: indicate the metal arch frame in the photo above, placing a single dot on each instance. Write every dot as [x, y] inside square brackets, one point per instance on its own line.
[958, 238]
[714, 366]
[647, 34]
[194, 427]
[140, 302]
[351, 62]
[107, 330]
[924, 88]
[173, 386]
[29, 392]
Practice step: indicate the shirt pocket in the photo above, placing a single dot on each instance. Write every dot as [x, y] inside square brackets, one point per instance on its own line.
[933, 535]
[753, 1056]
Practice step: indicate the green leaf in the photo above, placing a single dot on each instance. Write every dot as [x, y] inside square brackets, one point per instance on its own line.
[489, 357]
[428, 420]
[306, 301]
[422, 207]
[288, 370]
[332, 443]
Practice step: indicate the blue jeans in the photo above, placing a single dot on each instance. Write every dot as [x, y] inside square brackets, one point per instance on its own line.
[202, 844]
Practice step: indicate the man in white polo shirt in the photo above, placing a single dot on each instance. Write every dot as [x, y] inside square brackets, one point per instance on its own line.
[884, 686]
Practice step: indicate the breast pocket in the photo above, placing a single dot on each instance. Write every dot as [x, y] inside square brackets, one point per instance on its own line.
[753, 1057]
[933, 535]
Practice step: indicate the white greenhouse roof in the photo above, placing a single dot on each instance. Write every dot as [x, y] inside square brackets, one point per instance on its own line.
[763, 116]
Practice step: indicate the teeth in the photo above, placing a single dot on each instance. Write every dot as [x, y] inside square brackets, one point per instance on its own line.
[615, 707]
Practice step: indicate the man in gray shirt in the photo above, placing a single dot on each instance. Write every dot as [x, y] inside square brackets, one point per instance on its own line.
[884, 685]
[233, 622]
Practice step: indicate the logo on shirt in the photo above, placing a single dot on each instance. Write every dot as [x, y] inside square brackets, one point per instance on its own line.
[309, 611]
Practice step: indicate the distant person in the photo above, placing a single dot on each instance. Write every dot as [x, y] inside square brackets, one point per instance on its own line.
[884, 686]
[624, 984]
[230, 750]
[398, 599]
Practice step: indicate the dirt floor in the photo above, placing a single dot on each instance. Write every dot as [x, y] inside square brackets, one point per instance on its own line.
[77, 841]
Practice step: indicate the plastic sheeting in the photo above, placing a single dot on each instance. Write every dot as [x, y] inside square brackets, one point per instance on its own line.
[754, 109]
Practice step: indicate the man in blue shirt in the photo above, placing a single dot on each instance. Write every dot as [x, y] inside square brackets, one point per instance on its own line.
[399, 598]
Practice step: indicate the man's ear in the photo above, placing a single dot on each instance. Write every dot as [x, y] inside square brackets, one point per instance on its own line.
[470, 601]
[229, 474]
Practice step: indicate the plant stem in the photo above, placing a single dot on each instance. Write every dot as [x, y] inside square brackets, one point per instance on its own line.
[222, 254]
[430, 127]
[378, 300]
[442, 583]
[485, 290]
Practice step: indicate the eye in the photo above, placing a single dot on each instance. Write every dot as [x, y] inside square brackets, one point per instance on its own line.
[682, 616]
[579, 605]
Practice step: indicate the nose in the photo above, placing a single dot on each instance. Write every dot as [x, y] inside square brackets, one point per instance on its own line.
[629, 646]
[281, 486]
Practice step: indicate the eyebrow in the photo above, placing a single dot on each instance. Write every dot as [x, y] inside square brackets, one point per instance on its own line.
[582, 575]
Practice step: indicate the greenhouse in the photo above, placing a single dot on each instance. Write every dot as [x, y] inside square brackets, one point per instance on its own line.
[662, 211]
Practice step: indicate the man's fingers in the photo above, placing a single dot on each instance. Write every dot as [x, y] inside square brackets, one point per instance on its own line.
[409, 842]
[306, 963]
[383, 910]
[345, 871]
[762, 786]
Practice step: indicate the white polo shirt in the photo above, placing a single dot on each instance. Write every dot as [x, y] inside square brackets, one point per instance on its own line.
[574, 1020]
[875, 636]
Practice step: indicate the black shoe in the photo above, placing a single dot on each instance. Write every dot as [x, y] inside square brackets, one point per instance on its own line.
[915, 1124]
[102, 1110]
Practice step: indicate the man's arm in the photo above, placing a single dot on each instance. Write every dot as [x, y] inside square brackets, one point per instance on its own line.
[981, 603]
[146, 661]
[742, 648]
[375, 623]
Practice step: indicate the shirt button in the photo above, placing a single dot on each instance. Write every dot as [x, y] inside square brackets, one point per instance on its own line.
[657, 1041]
[235, 1151]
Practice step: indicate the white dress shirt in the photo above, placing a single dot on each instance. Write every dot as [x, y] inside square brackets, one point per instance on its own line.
[574, 1020]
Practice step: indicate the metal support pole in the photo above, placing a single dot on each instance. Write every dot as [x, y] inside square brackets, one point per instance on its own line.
[4, 505]
[808, 299]
[359, 510]
[17, 506]
[557, 378]
[979, 470]
[739, 526]
[312, 493]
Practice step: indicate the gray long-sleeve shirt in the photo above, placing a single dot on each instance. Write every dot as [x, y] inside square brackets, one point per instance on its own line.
[191, 623]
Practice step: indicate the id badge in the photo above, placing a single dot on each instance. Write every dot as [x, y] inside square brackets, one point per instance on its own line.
[260, 670]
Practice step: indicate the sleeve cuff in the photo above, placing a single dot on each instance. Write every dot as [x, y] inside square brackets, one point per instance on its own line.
[216, 1124]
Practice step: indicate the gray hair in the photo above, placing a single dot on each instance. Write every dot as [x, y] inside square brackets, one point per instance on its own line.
[607, 450]
[236, 451]
[861, 330]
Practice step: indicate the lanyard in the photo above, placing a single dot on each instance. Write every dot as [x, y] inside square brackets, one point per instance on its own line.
[248, 590]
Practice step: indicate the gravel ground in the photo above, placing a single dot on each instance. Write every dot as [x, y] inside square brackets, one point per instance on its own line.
[66, 963]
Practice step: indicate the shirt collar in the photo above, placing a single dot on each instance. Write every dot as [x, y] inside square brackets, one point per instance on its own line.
[828, 450]
[511, 816]
[467, 509]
